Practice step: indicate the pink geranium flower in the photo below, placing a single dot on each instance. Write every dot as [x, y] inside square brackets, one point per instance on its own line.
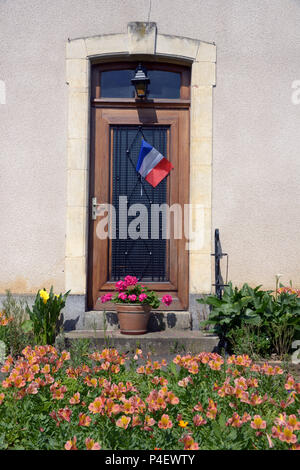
[167, 300]
[130, 280]
[120, 286]
[122, 296]
[106, 298]
[142, 297]
[132, 298]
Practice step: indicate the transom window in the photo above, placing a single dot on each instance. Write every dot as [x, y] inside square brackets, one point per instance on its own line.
[167, 82]
[117, 84]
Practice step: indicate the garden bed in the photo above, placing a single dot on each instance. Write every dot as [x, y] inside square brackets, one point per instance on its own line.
[52, 400]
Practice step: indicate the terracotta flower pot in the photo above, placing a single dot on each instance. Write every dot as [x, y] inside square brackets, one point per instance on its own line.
[133, 318]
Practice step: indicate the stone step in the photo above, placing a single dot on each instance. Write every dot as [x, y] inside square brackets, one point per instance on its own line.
[160, 343]
[99, 320]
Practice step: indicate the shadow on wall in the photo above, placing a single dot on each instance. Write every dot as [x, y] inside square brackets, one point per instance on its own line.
[70, 325]
[157, 321]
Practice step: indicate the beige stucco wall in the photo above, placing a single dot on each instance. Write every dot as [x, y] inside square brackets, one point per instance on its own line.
[256, 139]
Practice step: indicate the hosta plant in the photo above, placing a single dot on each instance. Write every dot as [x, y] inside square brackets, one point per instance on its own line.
[276, 315]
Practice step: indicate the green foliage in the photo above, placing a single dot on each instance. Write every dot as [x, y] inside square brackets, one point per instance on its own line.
[79, 350]
[14, 335]
[276, 317]
[2, 352]
[249, 339]
[33, 416]
[246, 305]
[44, 316]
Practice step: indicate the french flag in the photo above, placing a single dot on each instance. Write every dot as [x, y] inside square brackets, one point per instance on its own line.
[152, 165]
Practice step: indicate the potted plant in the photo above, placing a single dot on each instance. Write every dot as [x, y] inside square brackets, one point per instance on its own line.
[134, 302]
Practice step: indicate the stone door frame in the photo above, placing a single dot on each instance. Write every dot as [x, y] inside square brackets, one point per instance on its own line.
[141, 39]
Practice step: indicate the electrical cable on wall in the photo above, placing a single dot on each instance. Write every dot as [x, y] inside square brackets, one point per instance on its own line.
[149, 12]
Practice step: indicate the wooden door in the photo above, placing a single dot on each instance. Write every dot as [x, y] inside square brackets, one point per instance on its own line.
[166, 127]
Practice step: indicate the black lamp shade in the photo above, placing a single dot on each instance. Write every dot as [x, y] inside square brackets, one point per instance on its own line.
[140, 82]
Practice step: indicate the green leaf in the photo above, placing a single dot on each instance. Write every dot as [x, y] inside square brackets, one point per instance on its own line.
[211, 301]
[232, 435]
[173, 369]
[27, 326]
[222, 421]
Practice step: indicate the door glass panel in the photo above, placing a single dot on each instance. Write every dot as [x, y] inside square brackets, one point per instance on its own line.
[117, 84]
[144, 258]
[164, 84]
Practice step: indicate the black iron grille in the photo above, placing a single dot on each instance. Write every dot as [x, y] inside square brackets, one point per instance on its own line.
[143, 258]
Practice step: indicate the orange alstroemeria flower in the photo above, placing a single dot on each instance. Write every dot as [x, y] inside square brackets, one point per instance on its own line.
[149, 421]
[171, 398]
[97, 405]
[123, 422]
[71, 444]
[84, 420]
[65, 413]
[288, 436]
[165, 422]
[295, 447]
[19, 382]
[281, 420]
[258, 423]
[235, 421]
[75, 399]
[58, 393]
[136, 421]
[189, 443]
[91, 444]
[290, 383]
[198, 420]
[212, 409]
[293, 423]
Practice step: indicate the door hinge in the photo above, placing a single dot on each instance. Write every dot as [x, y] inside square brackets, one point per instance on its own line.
[94, 208]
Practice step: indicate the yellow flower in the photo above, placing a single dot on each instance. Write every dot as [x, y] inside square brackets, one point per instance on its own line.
[44, 295]
[182, 423]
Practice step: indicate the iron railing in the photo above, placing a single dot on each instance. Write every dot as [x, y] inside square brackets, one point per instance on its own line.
[218, 254]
